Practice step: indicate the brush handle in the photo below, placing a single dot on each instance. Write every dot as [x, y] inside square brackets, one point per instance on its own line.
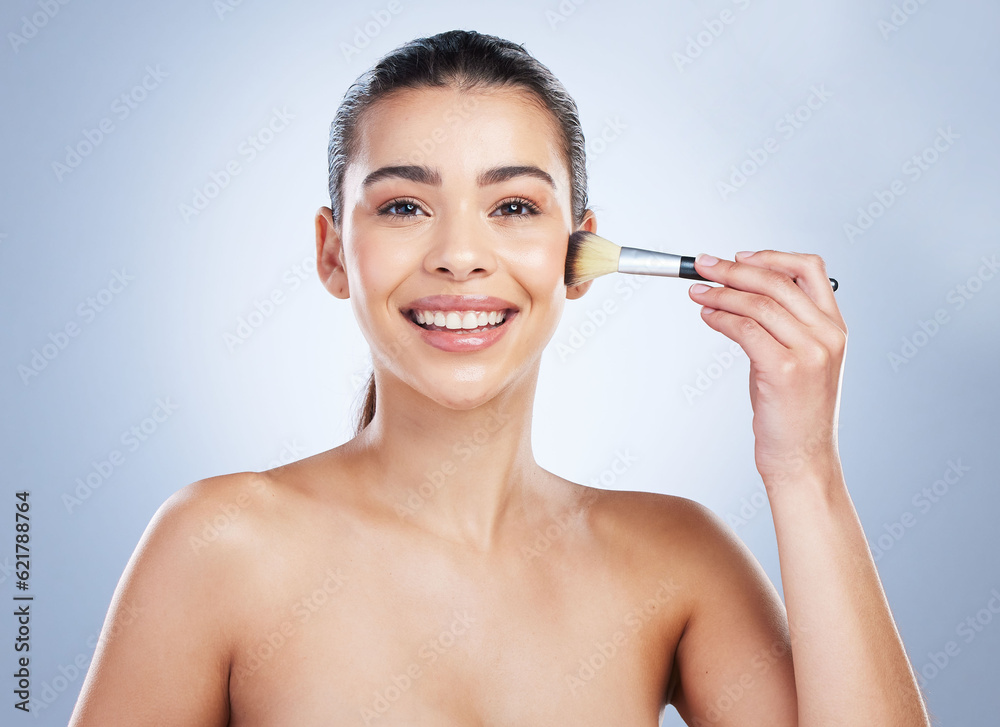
[650, 262]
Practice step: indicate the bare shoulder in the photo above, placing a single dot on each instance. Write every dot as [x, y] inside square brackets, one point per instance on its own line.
[201, 531]
[225, 511]
[165, 649]
[735, 630]
[679, 524]
[695, 540]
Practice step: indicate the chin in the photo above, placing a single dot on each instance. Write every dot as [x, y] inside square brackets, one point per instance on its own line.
[466, 389]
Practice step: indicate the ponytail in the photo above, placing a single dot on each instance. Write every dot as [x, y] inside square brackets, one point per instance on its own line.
[367, 412]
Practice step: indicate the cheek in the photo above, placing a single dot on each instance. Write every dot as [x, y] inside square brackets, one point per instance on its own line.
[373, 274]
[541, 265]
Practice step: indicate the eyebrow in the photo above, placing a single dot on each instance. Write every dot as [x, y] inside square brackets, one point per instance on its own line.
[426, 175]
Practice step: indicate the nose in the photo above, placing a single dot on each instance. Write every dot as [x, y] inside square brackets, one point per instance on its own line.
[461, 248]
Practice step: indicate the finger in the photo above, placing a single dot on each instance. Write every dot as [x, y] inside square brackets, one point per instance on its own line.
[766, 311]
[762, 280]
[748, 333]
[807, 270]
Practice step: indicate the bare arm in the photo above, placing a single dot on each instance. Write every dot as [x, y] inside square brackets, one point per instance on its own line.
[163, 655]
[733, 664]
[850, 666]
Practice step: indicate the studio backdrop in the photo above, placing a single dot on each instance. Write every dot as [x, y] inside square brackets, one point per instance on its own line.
[163, 321]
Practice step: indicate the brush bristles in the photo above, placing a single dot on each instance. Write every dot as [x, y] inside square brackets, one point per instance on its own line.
[589, 256]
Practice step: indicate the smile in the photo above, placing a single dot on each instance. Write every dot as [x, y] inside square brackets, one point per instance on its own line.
[459, 321]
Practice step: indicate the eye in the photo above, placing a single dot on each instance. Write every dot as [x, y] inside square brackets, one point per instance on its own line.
[406, 207]
[518, 207]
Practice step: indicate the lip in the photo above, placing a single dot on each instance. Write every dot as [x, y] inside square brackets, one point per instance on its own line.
[461, 342]
[460, 302]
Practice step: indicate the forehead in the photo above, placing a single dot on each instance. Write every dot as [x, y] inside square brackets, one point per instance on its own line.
[459, 133]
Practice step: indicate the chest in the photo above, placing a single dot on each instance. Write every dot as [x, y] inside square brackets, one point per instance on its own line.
[408, 641]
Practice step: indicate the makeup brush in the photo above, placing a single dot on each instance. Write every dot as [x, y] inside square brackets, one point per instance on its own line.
[590, 256]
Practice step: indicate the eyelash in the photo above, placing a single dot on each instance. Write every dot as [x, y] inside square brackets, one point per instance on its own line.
[532, 208]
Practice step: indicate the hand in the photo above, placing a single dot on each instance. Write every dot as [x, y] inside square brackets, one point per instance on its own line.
[779, 307]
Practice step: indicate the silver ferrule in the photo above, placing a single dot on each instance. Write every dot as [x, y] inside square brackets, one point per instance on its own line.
[649, 262]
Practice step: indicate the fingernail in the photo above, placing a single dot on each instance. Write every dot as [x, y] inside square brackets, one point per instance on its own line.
[699, 288]
[705, 310]
[744, 254]
[706, 260]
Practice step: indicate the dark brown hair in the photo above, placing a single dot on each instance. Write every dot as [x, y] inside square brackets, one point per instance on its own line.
[467, 60]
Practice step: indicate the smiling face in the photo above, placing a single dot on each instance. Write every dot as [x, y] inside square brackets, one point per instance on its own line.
[453, 239]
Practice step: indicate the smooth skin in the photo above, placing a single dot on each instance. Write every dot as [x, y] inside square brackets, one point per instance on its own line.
[430, 572]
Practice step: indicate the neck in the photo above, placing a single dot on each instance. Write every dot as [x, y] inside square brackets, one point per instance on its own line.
[460, 474]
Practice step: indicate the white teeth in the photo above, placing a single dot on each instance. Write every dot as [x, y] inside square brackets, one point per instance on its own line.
[455, 320]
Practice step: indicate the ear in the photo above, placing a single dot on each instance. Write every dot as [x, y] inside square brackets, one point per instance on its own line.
[330, 255]
[590, 225]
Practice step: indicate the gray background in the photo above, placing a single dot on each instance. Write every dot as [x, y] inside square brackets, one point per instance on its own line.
[612, 390]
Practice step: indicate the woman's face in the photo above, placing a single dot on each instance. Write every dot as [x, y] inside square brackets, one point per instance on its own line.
[456, 212]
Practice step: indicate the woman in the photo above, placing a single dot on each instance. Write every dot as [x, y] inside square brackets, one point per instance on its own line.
[398, 579]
